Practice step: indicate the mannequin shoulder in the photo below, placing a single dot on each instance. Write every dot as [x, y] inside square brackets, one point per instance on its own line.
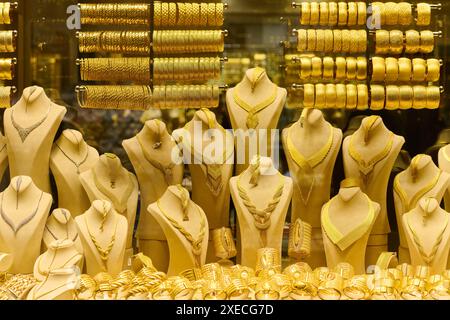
[282, 92]
[61, 110]
[446, 178]
[47, 197]
[399, 140]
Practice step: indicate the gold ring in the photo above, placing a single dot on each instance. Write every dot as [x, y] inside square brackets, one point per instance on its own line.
[337, 41]
[342, 14]
[382, 42]
[351, 68]
[323, 13]
[328, 68]
[362, 13]
[361, 63]
[363, 97]
[341, 68]
[404, 13]
[419, 67]
[352, 13]
[316, 71]
[328, 42]
[305, 13]
[320, 40]
[308, 95]
[332, 13]
[378, 69]
[302, 40]
[315, 13]
[396, 42]
[320, 96]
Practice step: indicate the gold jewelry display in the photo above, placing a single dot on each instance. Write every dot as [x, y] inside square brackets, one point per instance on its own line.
[201, 69]
[114, 42]
[187, 41]
[25, 132]
[115, 69]
[115, 13]
[268, 259]
[224, 245]
[5, 96]
[187, 96]
[412, 41]
[423, 14]
[299, 240]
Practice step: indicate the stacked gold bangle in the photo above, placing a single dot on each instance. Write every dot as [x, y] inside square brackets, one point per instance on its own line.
[5, 97]
[136, 42]
[188, 41]
[186, 96]
[186, 69]
[392, 70]
[392, 13]
[327, 40]
[115, 97]
[180, 14]
[336, 96]
[394, 97]
[6, 69]
[7, 41]
[333, 13]
[395, 41]
[115, 13]
[5, 13]
[115, 69]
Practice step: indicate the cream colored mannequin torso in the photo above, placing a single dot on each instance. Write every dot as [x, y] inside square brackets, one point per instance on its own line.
[153, 184]
[268, 118]
[444, 165]
[31, 157]
[3, 156]
[347, 211]
[427, 171]
[19, 202]
[435, 226]
[71, 148]
[115, 229]
[59, 285]
[250, 236]
[181, 250]
[309, 136]
[61, 226]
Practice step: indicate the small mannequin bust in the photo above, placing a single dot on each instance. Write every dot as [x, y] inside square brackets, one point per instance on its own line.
[261, 195]
[24, 209]
[421, 179]
[186, 228]
[61, 226]
[255, 103]
[427, 232]
[103, 233]
[30, 129]
[208, 149]
[3, 156]
[152, 152]
[6, 261]
[347, 221]
[71, 156]
[444, 165]
[60, 284]
[311, 146]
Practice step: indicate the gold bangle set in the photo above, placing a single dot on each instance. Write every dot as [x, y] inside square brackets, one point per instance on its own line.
[115, 97]
[396, 42]
[188, 41]
[328, 68]
[6, 69]
[393, 97]
[392, 70]
[186, 69]
[7, 41]
[115, 13]
[115, 69]
[5, 97]
[337, 41]
[393, 13]
[333, 13]
[186, 96]
[135, 42]
[335, 96]
[5, 13]
[187, 14]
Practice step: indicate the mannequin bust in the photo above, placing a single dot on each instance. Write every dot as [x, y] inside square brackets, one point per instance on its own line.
[210, 156]
[262, 197]
[70, 156]
[311, 146]
[427, 232]
[421, 179]
[347, 221]
[151, 153]
[369, 155]
[30, 128]
[61, 226]
[6, 261]
[60, 284]
[3, 156]
[255, 104]
[186, 229]
[103, 233]
[24, 209]
[444, 165]
[109, 180]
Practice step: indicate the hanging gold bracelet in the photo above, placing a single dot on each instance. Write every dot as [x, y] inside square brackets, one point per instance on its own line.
[351, 68]
[433, 70]
[305, 68]
[308, 95]
[378, 69]
[392, 69]
[352, 13]
[362, 13]
[330, 95]
[419, 66]
[315, 13]
[426, 41]
[404, 13]
[423, 14]
[323, 20]
[363, 97]
[302, 40]
[420, 97]
[382, 43]
[406, 97]
[377, 97]
[337, 41]
[404, 69]
[305, 13]
[328, 68]
[341, 96]
[433, 97]
[342, 13]
[352, 97]
[362, 40]
[316, 71]
[320, 96]
[328, 41]
[346, 36]
[341, 68]
[311, 43]
[412, 41]
[396, 42]
[332, 13]
[361, 68]
[392, 97]
[391, 13]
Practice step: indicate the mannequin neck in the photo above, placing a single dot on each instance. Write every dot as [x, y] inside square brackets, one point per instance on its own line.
[259, 170]
[346, 195]
[206, 118]
[428, 208]
[371, 128]
[61, 247]
[422, 166]
[101, 211]
[61, 216]
[34, 97]
[20, 188]
[311, 120]
[109, 167]
[254, 78]
[72, 140]
[179, 197]
[155, 133]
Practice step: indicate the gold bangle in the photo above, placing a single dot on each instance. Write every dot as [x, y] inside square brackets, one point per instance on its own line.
[315, 14]
[352, 97]
[346, 36]
[363, 97]
[377, 97]
[362, 13]
[382, 42]
[391, 12]
[412, 41]
[305, 68]
[330, 93]
[328, 41]
[164, 14]
[308, 95]
[328, 68]
[406, 269]
[316, 71]
[433, 70]
[220, 14]
[392, 97]
[237, 290]
[361, 68]
[320, 40]
[392, 69]
[396, 42]
[433, 97]
[342, 13]
[320, 96]
[341, 68]
[419, 66]
[419, 97]
[422, 272]
[423, 14]
[426, 41]
[378, 69]
[356, 288]
[211, 14]
[305, 13]
[172, 14]
[341, 96]
[332, 13]
[378, 10]
[196, 15]
[301, 40]
[351, 68]
[337, 41]
[406, 97]
[352, 13]
[331, 289]
[311, 42]
[404, 13]
[404, 69]
[323, 21]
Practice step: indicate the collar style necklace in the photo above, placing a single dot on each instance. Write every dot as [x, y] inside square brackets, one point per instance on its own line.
[196, 244]
[11, 224]
[307, 165]
[262, 217]
[76, 164]
[25, 132]
[254, 110]
[339, 239]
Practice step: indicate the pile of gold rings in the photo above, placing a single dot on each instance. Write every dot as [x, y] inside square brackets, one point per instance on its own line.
[5, 96]
[186, 69]
[393, 13]
[187, 41]
[115, 13]
[115, 97]
[332, 13]
[6, 69]
[135, 42]
[396, 42]
[186, 14]
[5, 13]
[328, 68]
[336, 96]
[328, 40]
[186, 96]
[392, 70]
[7, 41]
[393, 97]
[115, 69]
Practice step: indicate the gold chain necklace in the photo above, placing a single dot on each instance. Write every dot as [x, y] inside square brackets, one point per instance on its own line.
[261, 217]
[50, 268]
[76, 164]
[308, 164]
[25, 132]
[56, 238]
[196, 244]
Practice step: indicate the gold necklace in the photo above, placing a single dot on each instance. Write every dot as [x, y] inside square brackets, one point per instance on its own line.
[25, 132]
[196, 244]
[308, 164]
[261, 217]
[50, 268]
[76, 164]
[67, 234]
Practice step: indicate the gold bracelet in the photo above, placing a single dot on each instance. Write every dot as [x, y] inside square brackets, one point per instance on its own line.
[305, 13]
[351, 68]
[396, 42]
[404, 13]
[361, 68]
[196, 14]
[382, 42]
[362, 13]
[328, 41]
[320, 96]
[341, 68]
[356, 288]
[391, 13]
[342, 14]
[412, 41]
[164, 14]
[328, 68]
[423, 14]
[302, 40]
[378, 10]
[433, 97]
[377, 97]
[323, 21]
[220, 14]
[330, 93]
[352, 12]
[341, 96]
[172, 14]
[404, 69]
[378, 69]
[316, 71]
[363, 97]
[305, 68]
[352, 97]
[406, 97]
[308, 95]
[419, 67]
[311, 42]
[346, 35]
[332, 13]
[392, 70]
[315, 14]
[320, 40]
[433, 70]
[331, 289]
[419, 97]
[211, 14]
[392, 97]
[337, 41]
[426, 41]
